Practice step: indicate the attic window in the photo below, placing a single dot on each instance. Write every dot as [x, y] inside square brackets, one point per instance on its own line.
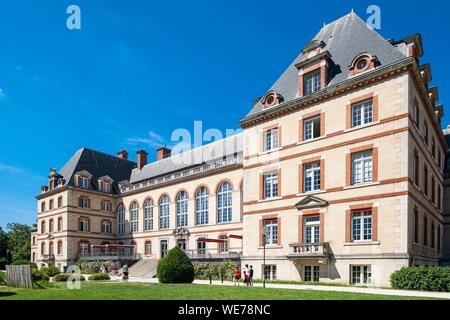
[271, 99]
[362, 63]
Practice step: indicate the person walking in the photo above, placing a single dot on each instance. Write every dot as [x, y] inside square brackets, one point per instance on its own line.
[246, 279]
[125, 273]
[236, 275]
[250, 276]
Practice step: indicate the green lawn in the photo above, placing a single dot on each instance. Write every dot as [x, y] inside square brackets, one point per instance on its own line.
[147, 291]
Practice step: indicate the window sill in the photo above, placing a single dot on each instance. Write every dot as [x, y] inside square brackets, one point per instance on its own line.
[362, 243]
[310, 193]
[269, 246]
[270, 199]
[310, 140]
[362, 185]
[268, 152]
[363, 126]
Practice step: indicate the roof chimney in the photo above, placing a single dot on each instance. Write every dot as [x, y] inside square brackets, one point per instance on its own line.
[142, 159]
[123, 154]
[162, 153]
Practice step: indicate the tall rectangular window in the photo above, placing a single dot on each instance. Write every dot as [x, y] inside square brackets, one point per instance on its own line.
[271, 139]
[311, 229]
[361, 167]
[84, 225]
[270, 272]
[311, 128]
[201, 247]
[311, 176]
[270, 181]
[311, 273]
[361, 275]
[164, 247]
[311, 83]
[433, 190]
[425, 180]
[362, 113]
[433, 149]
[416, 168]
[433, 238]
[362, 226]
[416, 226]
[270, 232]
[439, 238]
[425, 133]
[83, 182]
[425, 231]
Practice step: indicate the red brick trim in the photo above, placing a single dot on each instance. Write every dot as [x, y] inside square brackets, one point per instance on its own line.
[361, 207]
[348, 222]
[264, 130]
[261, 226]
[352, 102]
[348, 162]
[145, 247]
[222, 181]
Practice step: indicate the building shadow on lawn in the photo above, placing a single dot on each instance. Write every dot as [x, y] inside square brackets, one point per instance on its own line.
[6, 294]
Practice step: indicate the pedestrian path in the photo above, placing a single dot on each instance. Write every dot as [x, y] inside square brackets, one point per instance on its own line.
[391, 292]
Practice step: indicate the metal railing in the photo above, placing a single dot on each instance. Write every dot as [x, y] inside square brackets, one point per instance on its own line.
[309, 249]
[110, 256]
[183, 174]
[209, 254]
[48, 257]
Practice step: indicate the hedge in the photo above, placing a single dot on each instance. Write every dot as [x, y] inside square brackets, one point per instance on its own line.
[24, 262]
[51, 271]
[2, 278]
[175, 267]
[99, 276]
[62, 277]
[422, 278]
[38, 275]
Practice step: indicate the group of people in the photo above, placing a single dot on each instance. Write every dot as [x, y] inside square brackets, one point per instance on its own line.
[247, 275]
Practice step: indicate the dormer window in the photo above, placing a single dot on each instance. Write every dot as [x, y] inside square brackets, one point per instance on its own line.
[271, 99]
[311, 82]
[106, 187]
[362, 63]
[83, 182]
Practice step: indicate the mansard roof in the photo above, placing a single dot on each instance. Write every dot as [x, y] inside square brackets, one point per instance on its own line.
[344, 39]
[209, 153]
[98, 164]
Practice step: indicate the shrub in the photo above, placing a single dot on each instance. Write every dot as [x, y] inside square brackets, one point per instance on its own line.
[51, 271]
[99, 276]
[421, 278]
[62, 277]
[2, 278]
[175, 267]
[24, 262]
[3, 263]
[38, 275]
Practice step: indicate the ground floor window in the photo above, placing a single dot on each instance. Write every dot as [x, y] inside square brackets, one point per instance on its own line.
[270, 272]
[311, 273]
[164, 248]
[181, 243]
[361, 274]
[201, 247]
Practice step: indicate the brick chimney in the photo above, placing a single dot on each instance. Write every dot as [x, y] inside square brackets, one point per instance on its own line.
[123, 154]
[141, 159]
[162, 153]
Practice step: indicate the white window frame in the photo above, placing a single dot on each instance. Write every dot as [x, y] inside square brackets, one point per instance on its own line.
[84, 249]
[362, 113]
[362, 226]
[362, 167]
[311, 273]
[360, 274]
[309, 127]
[269, 272]
[121, 219]
[311, 176]
[164, 213]
[148, 215]
[201, 206]
[182, 209]
[311, 82]
[270, 185]
[106, 187]
[311, 229]
[83, 182]
[84, 224]
[270, 229]
[106, 227]
[224, 203]
[271, 139]
[134, 217]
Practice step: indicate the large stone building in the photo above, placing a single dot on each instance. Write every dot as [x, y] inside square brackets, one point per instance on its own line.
[337, 176]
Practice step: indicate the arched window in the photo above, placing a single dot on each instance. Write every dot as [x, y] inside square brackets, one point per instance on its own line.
[182, 209]
[134, 217]
[164, 212]
[148, 215]
[224, 203]
[121, 219]
[201, 206]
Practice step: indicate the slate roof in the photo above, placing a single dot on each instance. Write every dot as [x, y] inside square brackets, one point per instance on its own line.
[99, 165]
[344, 39]
[214, 151]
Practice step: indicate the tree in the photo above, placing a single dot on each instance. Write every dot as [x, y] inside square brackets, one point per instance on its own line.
[19, 236]
[3, 243]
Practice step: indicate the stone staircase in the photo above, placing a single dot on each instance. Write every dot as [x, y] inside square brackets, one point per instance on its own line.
[144, 268]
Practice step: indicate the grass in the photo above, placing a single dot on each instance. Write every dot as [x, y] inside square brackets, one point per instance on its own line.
[109, 290]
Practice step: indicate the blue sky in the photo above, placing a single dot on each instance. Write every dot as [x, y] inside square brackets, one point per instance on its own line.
[137, 70]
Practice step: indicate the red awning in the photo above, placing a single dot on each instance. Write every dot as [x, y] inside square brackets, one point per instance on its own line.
[235, 236]
[211, 240]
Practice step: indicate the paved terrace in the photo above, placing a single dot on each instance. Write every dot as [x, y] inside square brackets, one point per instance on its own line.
[392, 292]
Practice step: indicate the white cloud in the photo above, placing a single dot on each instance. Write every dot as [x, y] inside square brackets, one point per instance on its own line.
[2, 94]
[5, 168]
[153, 140]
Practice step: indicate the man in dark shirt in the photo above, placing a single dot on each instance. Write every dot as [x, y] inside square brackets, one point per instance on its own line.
[250, 276]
